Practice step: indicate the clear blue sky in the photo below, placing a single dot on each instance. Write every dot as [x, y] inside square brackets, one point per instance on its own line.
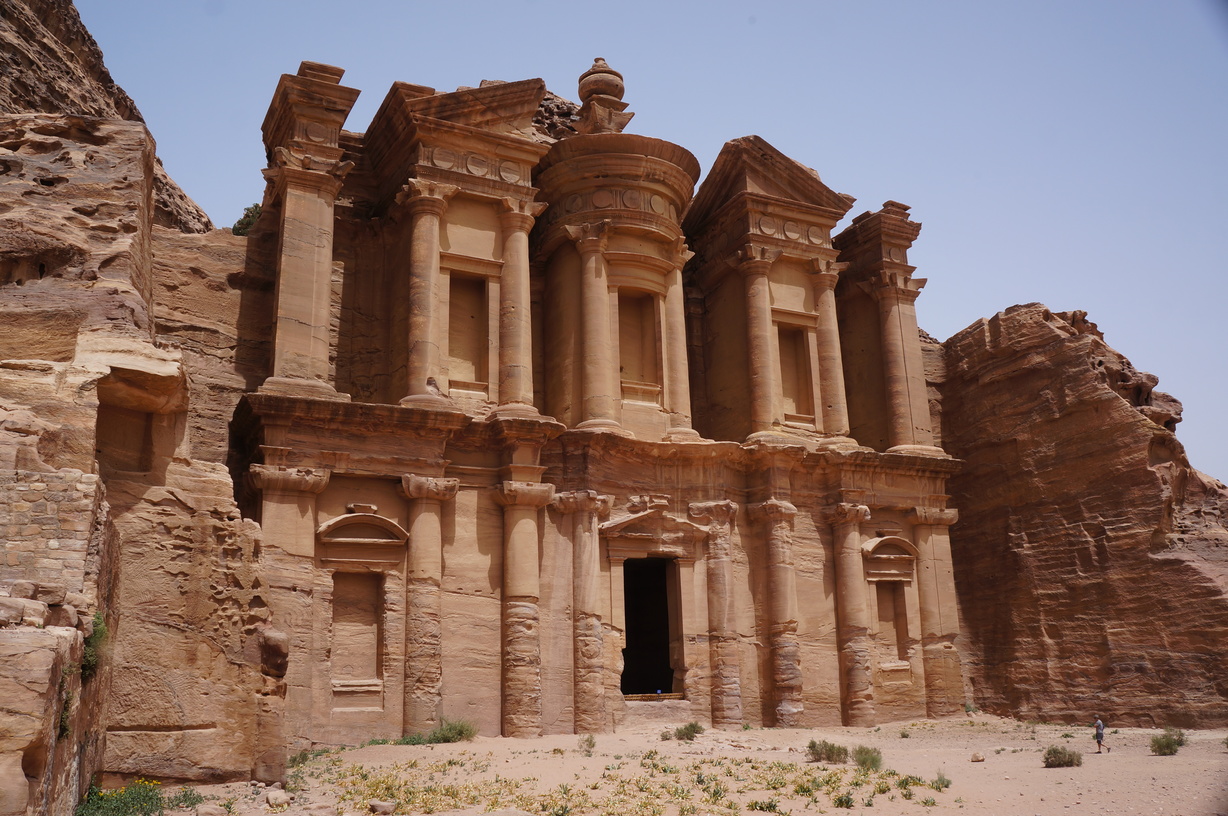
[1072, 153]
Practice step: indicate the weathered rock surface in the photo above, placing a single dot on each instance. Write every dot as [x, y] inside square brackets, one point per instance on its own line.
[1090, 557]
[49, 63]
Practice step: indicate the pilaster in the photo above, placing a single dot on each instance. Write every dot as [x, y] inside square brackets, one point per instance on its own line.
[726, 669]
[427, 201]
[587, 507]
[777, 517]
[423, 600]
[853, 614]
[944, 685]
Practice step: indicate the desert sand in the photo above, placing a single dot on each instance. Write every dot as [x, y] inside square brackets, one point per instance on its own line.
[636, 773]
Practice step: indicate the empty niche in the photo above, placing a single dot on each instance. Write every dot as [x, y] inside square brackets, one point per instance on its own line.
[357, 653]
[124, 438]
[796, 387]
[638, 362]
[467, 333]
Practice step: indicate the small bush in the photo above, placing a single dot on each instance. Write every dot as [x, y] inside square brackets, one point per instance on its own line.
[185, 798]
[142, 798]
[587, 743]
[904, 733]
[870, 759]
[1068, 735]
[1164, 744]
[1057, 756]
[940, 782]
[92, 655]
[246, 221]
[308, 754]
[688, 732]
[843, 800]
[928, 802]
[453, 731]
[765, 805]
[65, 725]
[1177, 734]
[667, 735]
[828, 752]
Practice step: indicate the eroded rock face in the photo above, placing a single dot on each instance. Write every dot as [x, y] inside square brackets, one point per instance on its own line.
[51, 64]
[1090, 557]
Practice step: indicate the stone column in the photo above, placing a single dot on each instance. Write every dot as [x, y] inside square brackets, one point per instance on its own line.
[515, 320]
[288, 505]
[726, 670]
[755, 263]
[600, 384]
[944, 684]
[588, 642]
[908, 401]
[853, 614]
[782, 609]
[835, 410]
[301, 336]
[423, 601]
[677, 374]
[522, 689]
[427, 201]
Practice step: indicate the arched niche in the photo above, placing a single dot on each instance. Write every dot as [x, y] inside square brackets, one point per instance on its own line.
[889, 558]
[364, 538]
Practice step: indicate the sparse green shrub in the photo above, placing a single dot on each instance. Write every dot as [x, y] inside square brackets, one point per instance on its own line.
[1177, 734]
[940, 782]
[904, 733]
[92, 655]
[308, 754]
[843, 800]
[1067, 735]
[246, 221]
[928, 802]
[453, 731]
[185, 797]
[587, 743]
[688, 732]
[1165, 744]
[828, 752]
[1057, 756]
[765, 805]
[970, 708]
[667, 735]
[871, 759]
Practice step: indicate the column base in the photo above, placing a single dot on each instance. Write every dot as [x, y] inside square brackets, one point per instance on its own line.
[920, 450]
[428, 401]
[516, 409]
[841, 443]
[293, 387]
[682, 435]
[604, 425]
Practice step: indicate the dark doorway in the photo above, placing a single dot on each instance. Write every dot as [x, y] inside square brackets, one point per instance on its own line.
[646, 664]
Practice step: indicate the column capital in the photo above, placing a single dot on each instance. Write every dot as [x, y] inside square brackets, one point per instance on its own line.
[422, 196]
[714, 512]
[894, 284]
[680, 253]
[304, 171]
[524, 494]
[429, 487]
[590, 237]
[772, 510]
[933, 515]
[825, 274]
[278, 479]
[753, 259]
[518, 214]
[583, 501]
[844, 513]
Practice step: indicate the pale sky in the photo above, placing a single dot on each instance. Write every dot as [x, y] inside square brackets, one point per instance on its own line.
[1071, 153]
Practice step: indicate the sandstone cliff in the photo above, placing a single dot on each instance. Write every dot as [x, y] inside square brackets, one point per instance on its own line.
[1091, 559]
[49, 63]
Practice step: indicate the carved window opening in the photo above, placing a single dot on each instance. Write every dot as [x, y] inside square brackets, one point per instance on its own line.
[651, 590]
[358, 637]
[797, 384]
[639, 347]
[468, 335]
[889, 563]
[124, 438]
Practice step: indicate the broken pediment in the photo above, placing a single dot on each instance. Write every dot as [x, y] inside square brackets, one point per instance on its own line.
[361, 537]
[749, 166]
[889, 558]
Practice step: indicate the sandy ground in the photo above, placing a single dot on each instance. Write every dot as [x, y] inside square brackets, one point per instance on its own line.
[636, 773]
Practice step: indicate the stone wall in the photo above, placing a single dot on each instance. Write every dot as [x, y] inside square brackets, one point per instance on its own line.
[45, 522]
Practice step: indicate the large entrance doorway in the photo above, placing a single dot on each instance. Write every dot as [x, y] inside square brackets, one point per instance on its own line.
[652, 617]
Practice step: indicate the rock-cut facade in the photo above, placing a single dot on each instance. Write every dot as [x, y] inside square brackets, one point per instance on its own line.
[553, 442]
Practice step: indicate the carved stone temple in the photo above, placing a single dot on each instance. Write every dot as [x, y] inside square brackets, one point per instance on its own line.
[551, 441]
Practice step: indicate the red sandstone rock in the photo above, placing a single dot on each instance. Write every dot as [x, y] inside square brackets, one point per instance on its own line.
[1090, 557]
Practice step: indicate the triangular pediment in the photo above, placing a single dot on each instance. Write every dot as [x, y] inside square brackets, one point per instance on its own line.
[749, 166]
[650, 523]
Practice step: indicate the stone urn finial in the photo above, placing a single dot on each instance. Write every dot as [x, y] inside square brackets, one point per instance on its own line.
[602, 109]
[601, 80]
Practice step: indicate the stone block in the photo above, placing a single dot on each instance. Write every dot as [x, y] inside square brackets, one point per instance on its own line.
[23, 589]
[50, 594]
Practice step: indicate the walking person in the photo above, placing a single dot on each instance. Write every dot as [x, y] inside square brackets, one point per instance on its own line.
[1100, 737]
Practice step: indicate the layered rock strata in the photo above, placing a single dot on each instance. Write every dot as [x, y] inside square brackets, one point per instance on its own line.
[1090, 557]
